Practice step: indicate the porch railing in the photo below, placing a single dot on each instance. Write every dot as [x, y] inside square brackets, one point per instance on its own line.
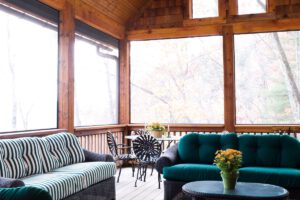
[94, 138]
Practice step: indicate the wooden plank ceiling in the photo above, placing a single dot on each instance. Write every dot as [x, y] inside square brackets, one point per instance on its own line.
[121, 11]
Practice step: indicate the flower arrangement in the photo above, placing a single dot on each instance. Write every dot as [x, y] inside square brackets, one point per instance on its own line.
[156, 127]
[229, 161]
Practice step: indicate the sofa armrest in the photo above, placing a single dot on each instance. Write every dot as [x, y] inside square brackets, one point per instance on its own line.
[94, 157]
[168, 158]
[10, 183]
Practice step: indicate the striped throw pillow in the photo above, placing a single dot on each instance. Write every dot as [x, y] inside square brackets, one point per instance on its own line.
[58, 148]
[13, 158]
[49, 161]
[73, 146]
[31, 155]
[3, 168]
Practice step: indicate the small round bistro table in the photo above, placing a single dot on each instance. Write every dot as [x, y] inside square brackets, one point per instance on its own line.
[242, 191]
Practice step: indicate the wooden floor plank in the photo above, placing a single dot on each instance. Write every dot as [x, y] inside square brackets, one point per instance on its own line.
[144, 191]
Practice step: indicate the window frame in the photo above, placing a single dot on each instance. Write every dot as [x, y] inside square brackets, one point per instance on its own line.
[247, 14]
[212, 126]
[247, 127]
[38, 13]
[84, 29]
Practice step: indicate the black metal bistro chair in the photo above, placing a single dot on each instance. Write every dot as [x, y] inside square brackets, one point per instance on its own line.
[147, 150]
[141, 132]
[116, 148]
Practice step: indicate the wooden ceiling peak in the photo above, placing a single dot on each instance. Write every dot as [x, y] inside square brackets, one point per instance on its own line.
[121, 11]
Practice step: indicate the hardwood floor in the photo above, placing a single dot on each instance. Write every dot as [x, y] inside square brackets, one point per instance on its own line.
[144, 191]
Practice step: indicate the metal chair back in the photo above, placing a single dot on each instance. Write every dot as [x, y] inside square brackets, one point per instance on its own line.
[146, 148]
[112, 145]
[141, 132]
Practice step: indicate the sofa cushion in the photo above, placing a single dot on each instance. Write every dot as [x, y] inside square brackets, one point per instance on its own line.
[74, 148]
[59, 149]
[285, 177]
[24, 193]
[13, 158]
[191, 172]
[91, 172]
[58, 185]
[269, 150]
[32, 155]
[49, 161]
[290, 159]
[201, 148]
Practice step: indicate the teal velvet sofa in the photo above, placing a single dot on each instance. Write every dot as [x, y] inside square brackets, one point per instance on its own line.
[271, 159]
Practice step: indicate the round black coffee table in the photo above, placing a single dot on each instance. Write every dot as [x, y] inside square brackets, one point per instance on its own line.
[242, 191]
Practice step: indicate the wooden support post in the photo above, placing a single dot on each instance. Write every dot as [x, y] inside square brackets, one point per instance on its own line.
[229, 94]
[232, 7]
[66, 67]
[124, 93]
[188, 9]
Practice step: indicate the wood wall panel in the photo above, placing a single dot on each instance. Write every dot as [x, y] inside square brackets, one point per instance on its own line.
[160, 14]
[157, 19]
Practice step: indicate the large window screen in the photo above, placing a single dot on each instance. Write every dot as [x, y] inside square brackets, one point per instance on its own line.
[251, 6]
[96, 82]
[267, 77]
[28, 72]
[203, 9]
[177, 81]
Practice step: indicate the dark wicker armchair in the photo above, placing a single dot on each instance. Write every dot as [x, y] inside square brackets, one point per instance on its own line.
[116, 148]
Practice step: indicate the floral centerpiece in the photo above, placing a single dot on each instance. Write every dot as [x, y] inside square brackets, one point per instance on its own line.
[229, 161]
[156, 129]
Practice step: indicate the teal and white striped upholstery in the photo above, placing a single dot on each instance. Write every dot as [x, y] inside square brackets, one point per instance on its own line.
[91, 172]
[3, 168]
[58, 185]
[13, 158]
[58, 148]
[74, 148]
[32, 155]
[70, 179]
[49, 161]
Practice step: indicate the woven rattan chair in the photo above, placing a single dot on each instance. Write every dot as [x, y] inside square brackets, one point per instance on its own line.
[125, 157]
[147, 150]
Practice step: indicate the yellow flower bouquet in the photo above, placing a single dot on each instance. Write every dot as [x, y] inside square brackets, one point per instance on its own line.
[156, 129]
[229, 161]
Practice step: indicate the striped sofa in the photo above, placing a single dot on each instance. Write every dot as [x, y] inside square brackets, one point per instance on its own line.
[59, 165]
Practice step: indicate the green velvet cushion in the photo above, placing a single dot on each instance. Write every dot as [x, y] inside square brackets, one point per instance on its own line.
[269, 150]
[191, 172]
[285, 177]
[201, 148]
[290, 150]
[24, 193]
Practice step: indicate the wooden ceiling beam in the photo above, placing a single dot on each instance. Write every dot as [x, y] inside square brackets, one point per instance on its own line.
[57, 4]
[91, 16]
[215, 29]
